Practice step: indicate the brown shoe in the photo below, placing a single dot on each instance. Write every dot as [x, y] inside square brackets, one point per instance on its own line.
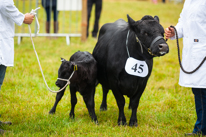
[48, 28]
[56, 27]
[2, 131]
[192, 134]
[5, 123]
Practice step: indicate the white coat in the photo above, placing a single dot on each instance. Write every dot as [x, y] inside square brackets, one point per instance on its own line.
[9, 15]
[192, 27]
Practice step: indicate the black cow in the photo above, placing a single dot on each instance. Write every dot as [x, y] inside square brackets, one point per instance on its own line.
[83, 80]
[142, 40]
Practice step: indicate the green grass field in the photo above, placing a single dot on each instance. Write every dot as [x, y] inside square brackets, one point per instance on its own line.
[165, 110]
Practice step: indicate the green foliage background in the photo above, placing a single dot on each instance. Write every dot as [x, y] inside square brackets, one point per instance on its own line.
[165, 109]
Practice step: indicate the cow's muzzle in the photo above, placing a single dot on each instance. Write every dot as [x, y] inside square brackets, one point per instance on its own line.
[57, 84]
[163, 48]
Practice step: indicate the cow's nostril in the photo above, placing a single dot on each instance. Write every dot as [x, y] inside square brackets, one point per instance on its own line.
[160, 46]
[163, 47]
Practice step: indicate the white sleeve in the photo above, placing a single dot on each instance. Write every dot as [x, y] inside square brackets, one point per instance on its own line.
[179, 27]
[10, 10]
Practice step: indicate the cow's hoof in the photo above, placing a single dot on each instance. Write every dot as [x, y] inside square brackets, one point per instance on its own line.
[122, 123]
[51, 112]
[133, 124]
[103, 108]
[96, 122]
[71, 116]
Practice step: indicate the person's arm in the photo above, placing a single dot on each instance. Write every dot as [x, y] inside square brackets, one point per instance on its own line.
[179, 27]
[13, 13]
[170, 33]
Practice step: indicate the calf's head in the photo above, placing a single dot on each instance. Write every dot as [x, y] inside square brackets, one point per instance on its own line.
[150, 34]
[64, 72]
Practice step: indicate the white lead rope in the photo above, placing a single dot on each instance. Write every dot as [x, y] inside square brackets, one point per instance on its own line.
[127, 43]
[33, 12]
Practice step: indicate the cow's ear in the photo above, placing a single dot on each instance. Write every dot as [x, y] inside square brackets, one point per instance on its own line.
[157, 18]
[62, 59]
[131, 22]
[73, 66]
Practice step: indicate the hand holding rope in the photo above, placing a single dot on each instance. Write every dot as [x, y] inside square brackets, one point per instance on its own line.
[178, 49]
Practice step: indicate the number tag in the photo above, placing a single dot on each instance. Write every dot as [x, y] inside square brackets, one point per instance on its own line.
[136, 67]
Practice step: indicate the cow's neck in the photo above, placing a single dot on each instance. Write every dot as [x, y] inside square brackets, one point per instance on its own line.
[134, 44]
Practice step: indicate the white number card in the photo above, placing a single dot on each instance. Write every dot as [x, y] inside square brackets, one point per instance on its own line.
[136, 67]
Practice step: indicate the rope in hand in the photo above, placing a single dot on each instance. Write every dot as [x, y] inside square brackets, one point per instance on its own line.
[33, 12]
[178, 49]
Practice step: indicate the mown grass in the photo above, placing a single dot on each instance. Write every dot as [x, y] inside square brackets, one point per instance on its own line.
[165, 109]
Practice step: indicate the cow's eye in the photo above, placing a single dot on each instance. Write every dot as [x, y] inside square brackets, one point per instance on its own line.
[145, 34]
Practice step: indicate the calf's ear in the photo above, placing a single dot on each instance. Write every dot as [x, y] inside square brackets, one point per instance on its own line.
[131, 22]
[62, 60]
[73, 66]
[157, 18]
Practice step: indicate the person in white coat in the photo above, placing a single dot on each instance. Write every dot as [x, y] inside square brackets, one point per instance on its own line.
[191, 27]
[9, 15]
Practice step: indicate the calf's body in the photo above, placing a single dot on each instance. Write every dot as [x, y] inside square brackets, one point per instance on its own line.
[83, 80]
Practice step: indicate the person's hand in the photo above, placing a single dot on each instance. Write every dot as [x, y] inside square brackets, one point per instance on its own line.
[169, 32]
[28, 18]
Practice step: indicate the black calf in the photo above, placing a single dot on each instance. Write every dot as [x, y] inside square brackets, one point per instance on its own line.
[84, 69]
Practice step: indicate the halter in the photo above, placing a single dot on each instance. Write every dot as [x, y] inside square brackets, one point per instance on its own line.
[155, 40]
[68, 80]
[148, 49]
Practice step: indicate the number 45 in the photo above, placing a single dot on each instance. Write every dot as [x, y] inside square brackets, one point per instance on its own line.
[139, 69]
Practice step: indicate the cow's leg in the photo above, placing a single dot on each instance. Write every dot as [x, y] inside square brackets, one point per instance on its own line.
[134, 103]
[121, 103]
[58, 98]
[103, 106]
[89, 101]
[73, 91]
[133, 119]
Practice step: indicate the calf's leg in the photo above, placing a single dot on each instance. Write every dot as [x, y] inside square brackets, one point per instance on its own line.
[89, 101]
[73, 91]
[103, 106]
[58, 98]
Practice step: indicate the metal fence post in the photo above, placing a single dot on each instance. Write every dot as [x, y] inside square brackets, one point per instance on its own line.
[68, 21]
[84, 21]
[36, 15]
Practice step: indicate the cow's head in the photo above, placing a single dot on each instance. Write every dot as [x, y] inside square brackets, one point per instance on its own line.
[64, 72]
[150, 34]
